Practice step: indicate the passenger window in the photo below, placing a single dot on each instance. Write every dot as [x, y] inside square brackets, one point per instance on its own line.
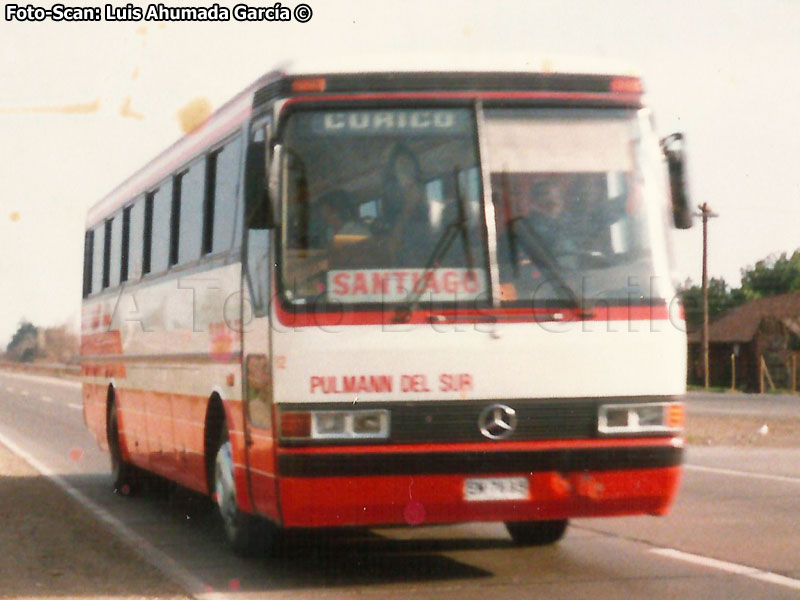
[227, 213]
[175, 219]
[162, 209]
[191, 212]
[208, 202]
[258, 258]
[115, 252]
[97, 259]
[136, 245]
[126, 243]
[88, 243]
[147, 234]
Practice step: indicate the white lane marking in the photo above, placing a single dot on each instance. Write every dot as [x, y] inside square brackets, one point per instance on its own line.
[43, 379]
[46, 399]
[75, 406]
[748, 474]
[145, 549]
[729, 567]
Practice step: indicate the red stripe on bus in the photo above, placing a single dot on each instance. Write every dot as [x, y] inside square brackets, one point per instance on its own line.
[489, 446]
[104, 343]
[657, 312]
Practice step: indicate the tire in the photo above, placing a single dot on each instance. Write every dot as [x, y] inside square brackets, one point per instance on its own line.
[125, 477]
[536, 533]
[248, 535]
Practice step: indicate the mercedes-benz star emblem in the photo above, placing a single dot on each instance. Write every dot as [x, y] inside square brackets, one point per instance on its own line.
[497, 421]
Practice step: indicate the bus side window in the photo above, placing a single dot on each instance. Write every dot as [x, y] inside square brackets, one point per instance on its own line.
[97, 258]
[107, 252]
[115, 251]
[126, 244]
[226, 214]
[88, 243]
[175, 218]
[258, 257]
[160, 240]
[191, 213]
[136, 240]
[209, 200]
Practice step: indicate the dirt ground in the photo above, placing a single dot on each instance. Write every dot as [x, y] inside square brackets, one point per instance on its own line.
[51, 547]
[723, 430]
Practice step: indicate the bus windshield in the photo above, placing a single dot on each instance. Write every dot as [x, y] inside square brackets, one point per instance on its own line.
[567, 190]
[386, 206]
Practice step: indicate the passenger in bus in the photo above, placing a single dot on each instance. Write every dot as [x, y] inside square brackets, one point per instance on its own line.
[406, 219]
[340, 220]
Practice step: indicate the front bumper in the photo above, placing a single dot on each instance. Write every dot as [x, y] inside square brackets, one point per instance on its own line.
[321, 487]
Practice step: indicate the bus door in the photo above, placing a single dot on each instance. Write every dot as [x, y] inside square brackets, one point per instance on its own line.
[257, 359]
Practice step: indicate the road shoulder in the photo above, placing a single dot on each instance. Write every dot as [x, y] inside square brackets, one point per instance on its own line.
[54, 547]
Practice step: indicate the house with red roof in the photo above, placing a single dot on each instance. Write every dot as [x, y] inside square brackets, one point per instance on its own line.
[766, 328]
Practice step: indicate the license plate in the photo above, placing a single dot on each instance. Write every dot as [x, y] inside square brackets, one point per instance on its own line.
[496, 488]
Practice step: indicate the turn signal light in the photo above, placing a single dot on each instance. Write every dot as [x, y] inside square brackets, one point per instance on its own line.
[296, 425]
[676, 416]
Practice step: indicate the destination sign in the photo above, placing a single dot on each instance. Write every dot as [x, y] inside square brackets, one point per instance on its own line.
[382, 122]
[395, 285]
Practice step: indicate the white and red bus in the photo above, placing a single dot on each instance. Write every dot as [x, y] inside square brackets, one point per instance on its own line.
[397, 296]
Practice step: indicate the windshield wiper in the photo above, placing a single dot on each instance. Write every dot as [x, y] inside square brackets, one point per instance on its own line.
[537, 251]
[460, 225]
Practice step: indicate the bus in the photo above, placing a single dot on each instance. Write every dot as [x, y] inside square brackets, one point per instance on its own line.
[400, 295]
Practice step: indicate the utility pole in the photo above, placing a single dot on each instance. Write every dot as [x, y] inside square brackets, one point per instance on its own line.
[706, 213]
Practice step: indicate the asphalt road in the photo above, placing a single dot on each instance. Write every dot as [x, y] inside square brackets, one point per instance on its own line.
[735, 403]
[734, 532]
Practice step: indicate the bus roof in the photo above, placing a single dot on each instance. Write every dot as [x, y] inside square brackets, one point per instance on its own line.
[454, 63]
[230, 116]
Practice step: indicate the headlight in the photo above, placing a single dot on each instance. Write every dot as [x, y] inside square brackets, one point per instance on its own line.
[335, 424]
[328, 424]
[662, 417]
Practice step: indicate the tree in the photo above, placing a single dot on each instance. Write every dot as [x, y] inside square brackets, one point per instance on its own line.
[768, 277]
[772, 275]
[60, 344]
[24, 343]
[720, 300]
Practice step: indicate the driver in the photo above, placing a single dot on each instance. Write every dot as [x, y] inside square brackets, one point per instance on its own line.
[547, 216]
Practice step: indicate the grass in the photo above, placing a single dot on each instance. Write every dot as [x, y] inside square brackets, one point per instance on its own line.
[700, 388]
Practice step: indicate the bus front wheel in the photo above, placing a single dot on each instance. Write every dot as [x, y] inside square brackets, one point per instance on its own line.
[246, 533]
[536, 533]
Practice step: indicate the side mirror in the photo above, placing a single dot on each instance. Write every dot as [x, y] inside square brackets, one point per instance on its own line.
[674, 149]
[257, 207]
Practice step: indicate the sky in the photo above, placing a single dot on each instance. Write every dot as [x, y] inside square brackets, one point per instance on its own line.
[82, 105]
